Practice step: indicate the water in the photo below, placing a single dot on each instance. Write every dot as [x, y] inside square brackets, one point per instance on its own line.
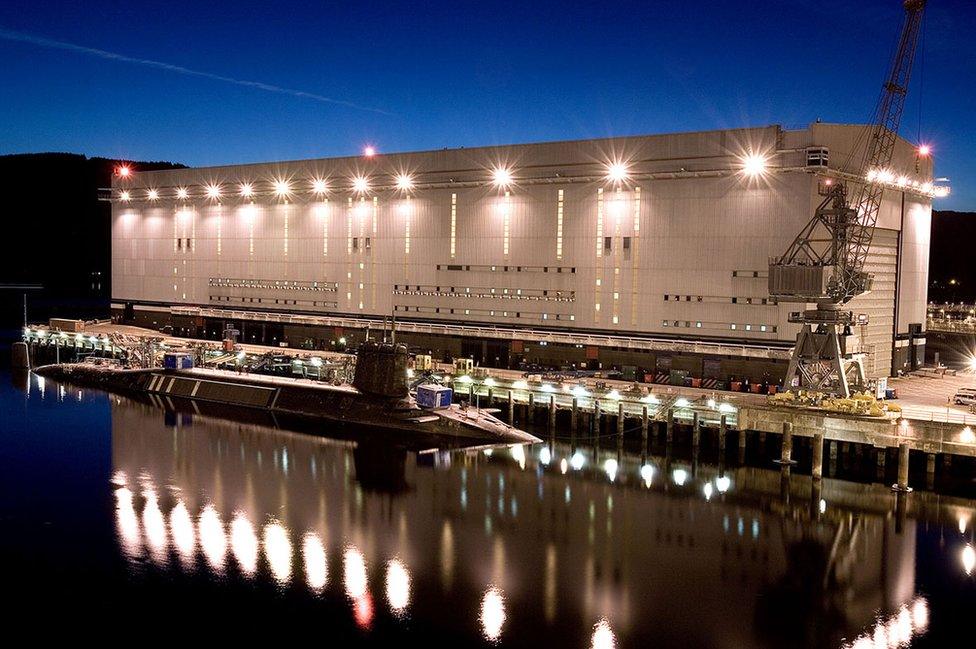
[117, 516]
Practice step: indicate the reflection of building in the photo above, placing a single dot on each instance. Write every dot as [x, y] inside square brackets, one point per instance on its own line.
[508, 550]
[655, 243]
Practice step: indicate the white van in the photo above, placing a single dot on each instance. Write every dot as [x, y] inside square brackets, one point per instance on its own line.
[965, 397]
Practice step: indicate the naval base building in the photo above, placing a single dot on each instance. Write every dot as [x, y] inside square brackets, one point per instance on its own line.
[645, 253]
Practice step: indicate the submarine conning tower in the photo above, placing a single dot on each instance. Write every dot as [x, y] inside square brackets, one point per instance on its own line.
[381, 369]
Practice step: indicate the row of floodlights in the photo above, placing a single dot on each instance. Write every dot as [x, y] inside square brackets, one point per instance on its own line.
[580, 391]
[891, 179]
[501, 178]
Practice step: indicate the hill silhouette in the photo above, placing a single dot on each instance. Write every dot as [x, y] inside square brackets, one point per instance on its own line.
[57, 233]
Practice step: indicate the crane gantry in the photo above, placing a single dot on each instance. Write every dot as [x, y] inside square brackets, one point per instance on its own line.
[825, 264]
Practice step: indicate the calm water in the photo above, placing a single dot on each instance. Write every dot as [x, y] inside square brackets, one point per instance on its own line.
[120, 519]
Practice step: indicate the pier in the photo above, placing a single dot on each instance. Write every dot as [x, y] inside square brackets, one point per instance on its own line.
[592, 408]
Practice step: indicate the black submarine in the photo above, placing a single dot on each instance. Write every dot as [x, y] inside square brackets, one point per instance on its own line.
[378, 398]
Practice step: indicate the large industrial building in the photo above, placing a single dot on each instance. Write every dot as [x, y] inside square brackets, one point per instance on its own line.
[646, 252]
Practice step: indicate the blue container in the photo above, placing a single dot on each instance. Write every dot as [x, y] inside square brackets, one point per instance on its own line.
[434, 396]
[177, 361]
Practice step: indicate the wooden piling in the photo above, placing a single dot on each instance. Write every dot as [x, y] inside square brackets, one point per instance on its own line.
[695, 431]
[644, 434]
[902, 484]
[669, 434]
[574, 422]
[511, 408]
[723, 429]
[552, 413]
[818, 448]
[786, 451]
[620, 420]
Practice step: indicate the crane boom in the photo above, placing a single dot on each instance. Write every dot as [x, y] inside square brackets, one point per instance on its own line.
[826, 261]
[891, 105]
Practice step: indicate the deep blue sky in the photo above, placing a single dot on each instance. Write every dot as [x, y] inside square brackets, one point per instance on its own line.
[467, 73]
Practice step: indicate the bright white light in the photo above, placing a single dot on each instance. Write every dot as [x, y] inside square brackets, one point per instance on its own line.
[213, 540]
[125, 196]
[182, 193]
[123, 171]
[213, 191]
[650, 398]
[545, 456]
[521, 384]
[316, 566]
[155, 526]
[682, 403]
[282, 188]
[563, 466]
[967, 436]
[181, 527]
[613, 394]
[128, 522]
[501, 177]
[489, 381]
[708, 490]
[722, 483]
[924, 150]
[518, 454]
[404, 182]
[647, 474]
[726, 407]
[603, 637]
[152, 195]
[610, 468]
[277, 550]
[920, 614]
[968, 559]
[369, 151]
[244, 543]
[492, 613]
[577, 461]
[823, 505]
[548, 388]
[711, 403]
[680, 476]
[754, 164]
[354, 571]
[580, 391]
[319, 186]
[247, 190]
[464, 378]
[617, 172]
[397, 585]
[360, 184]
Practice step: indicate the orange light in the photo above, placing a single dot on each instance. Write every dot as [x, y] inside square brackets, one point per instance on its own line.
[404, 182]
[360, 184]
[501, 177]
[617, 172]
[123, 171]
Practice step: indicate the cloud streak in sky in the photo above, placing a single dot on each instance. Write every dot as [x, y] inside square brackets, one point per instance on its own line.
[50, 43]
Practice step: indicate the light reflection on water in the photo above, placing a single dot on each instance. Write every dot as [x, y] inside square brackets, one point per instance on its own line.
[587, 548]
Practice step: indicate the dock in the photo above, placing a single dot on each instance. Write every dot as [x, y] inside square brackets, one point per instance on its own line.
[589, 407]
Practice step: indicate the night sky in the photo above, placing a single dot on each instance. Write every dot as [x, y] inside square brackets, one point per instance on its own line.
[166, 80]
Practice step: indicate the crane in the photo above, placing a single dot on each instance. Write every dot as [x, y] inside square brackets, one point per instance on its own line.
[825, 263]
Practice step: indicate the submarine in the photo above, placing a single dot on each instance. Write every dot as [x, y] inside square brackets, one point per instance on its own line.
[378, 399]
